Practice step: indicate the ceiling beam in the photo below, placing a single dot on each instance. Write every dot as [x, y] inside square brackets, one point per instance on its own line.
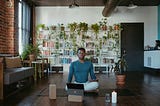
[109, 7]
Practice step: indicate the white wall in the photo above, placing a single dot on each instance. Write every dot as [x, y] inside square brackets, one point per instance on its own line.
[65, 15]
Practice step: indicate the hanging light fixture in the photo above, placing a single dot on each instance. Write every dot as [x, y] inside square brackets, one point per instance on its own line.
[132, 5]
[73, 5]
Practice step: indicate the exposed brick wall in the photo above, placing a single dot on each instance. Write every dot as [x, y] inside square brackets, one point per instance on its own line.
[16, 36]
[3, 27]
[8, 27]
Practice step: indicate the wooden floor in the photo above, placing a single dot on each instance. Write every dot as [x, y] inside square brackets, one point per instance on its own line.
[145, 86]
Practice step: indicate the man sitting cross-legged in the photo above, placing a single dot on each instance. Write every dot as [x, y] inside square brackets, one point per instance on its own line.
[81, 69]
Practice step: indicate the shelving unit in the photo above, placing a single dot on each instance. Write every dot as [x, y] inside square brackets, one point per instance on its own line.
[59, 46]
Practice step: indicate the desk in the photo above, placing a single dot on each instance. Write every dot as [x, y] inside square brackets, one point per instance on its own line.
[152, 59]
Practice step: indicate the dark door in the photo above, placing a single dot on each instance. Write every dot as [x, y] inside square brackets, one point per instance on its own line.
[132, 41]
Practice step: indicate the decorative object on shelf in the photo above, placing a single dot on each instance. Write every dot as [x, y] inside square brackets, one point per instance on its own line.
[53, 27]
[110, 28]
[62, 27]
[57, 45]
[40, 27]
[103, 24]
[72, 26]
[82, 27]
[95, 27]
[117, 27]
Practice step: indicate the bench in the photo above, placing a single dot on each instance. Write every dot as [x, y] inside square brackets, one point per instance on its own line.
[12, 73]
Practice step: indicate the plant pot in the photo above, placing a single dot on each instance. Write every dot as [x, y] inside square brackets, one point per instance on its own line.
[104, 28]
[120, 79]
[62, 28]
[32, 57]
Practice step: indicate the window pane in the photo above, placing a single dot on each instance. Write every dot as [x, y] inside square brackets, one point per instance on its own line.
[24, 24]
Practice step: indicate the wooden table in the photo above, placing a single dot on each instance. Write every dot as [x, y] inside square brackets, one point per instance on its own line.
[38, 66]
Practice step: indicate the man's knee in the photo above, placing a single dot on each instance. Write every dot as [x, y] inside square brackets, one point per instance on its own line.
[91, 86]
[96, 84]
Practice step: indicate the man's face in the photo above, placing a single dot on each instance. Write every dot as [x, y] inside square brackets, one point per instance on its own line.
[81, 54]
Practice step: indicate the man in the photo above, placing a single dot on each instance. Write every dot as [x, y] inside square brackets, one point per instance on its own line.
[81, 69]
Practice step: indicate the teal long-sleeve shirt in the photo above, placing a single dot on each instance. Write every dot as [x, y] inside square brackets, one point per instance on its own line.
[80, 71]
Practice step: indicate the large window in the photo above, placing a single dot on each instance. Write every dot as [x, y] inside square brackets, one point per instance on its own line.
[24, 24]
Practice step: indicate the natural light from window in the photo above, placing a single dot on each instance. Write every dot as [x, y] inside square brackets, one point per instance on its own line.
[20, 26]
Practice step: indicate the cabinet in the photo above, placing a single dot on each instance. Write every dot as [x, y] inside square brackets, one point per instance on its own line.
[152, 59]
[60, 46]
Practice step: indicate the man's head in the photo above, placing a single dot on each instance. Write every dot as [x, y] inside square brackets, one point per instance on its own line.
[81, 52]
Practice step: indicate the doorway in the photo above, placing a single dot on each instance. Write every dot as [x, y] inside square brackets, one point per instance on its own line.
[132, 41]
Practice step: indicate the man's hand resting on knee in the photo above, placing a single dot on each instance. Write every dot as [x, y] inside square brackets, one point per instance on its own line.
[96, 80]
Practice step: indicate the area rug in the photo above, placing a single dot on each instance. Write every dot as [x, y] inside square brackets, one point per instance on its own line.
[100, 93]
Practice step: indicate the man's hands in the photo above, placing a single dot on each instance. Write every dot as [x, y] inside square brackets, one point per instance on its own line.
[93, 80]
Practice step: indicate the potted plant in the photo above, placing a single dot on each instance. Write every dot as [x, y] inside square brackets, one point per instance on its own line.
[103, 24]
[72, 26]
[40, 27]
[53, 27]
[95, 27]
[30, 52]
[83, 26]
[119, 69]
[116, 26]
[62, 27]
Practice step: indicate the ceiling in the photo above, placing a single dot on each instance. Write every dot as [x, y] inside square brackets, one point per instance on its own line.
[94, 2]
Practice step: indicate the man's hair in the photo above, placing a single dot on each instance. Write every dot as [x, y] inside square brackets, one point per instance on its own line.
[158, 42]
[83, 49]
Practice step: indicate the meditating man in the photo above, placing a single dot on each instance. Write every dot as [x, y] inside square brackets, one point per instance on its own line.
[81, 69]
